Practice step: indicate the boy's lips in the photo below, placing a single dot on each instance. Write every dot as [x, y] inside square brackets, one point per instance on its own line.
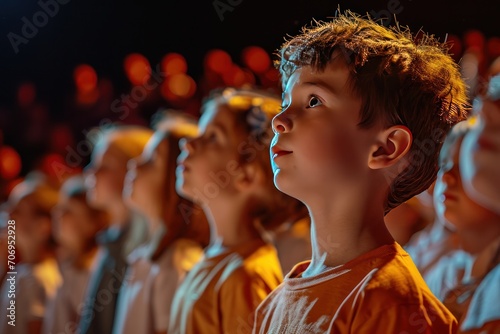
[278, 152]
[181, 164]
[449, 196]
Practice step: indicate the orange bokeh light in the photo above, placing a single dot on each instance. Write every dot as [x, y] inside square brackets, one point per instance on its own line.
[474, 38]
[10, 163]
[137, 68]
[218, 61]
[493, 47]
[256, 59]
[237, 77]
[85, 78]
[178, 86]
[173, 63]
[271, 78]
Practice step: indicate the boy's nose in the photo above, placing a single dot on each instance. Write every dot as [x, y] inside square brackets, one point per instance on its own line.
[449, 178]
[281, 123]
[186, 144]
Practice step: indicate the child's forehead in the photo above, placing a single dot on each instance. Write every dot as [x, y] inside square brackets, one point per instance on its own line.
[335, 77]
[218, 114]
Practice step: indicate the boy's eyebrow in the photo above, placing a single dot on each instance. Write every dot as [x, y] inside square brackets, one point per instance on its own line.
[322, 84]
[221, 127]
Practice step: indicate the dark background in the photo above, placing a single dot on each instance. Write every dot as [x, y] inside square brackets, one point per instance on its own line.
[101, 33]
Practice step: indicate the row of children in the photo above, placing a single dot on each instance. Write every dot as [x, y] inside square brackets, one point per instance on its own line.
[186, 246]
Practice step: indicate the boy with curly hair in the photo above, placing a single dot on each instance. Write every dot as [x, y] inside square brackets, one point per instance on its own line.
[365, 110]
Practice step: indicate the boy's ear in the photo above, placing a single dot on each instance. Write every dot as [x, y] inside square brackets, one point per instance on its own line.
[392, 145]
[251, 174]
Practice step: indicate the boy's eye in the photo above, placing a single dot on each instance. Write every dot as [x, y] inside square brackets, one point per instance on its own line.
[314, 102]
[211, 136]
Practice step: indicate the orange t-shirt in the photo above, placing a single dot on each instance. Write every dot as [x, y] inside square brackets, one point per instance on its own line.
[220, 294]
[378, 292]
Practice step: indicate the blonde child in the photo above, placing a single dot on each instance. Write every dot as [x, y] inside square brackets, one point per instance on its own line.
[226, 170]
[37, 275]
[74, 227]
[157, 267]
[364, 110]
[105, 179]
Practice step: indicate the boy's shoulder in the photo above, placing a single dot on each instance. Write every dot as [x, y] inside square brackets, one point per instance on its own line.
[380, 289]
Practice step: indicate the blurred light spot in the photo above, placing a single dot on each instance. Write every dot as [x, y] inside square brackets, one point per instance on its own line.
[179, 85]
[270, 78]
[173, 63]
[137, 68]
[493, 47]
[474, 38]
[256, 59]
[455, 44]
[10, 163]
[235, 77]
[26, 94]
[218, 61]
[85, 78]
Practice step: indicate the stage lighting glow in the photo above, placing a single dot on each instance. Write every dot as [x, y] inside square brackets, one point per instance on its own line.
[85, 78]
[256, 59]
[218, 61]
[173, 63]
[10, 163]
[137, 69]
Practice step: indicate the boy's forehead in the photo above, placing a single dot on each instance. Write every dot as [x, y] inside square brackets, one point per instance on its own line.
[216, 114]
[334, 77]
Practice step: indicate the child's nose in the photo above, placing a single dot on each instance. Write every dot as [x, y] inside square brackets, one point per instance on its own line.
[132, 164]
[449, 178]
[281, 123]
[186, 144]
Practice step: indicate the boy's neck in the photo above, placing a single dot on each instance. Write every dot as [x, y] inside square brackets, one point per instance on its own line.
[230, 225]
[476, 239]
[343, 231]
[119, 214]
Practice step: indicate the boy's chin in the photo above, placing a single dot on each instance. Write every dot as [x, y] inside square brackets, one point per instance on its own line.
[182, 191]
[283, 185]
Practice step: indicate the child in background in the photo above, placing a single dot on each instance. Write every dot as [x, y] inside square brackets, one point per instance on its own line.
[105, 178]
[75, 225]
[226, 170]
[157, 267]
[405, 221]
[359, 101]
[481, 150]
[38, 277]
[457, 276]
[479, 155]
[436, 240]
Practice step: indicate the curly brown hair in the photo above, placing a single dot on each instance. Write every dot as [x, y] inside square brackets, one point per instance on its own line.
[401, 80]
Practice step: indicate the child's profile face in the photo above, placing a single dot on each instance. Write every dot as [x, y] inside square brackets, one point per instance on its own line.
[32, 225]
[105, 176]
[480, 156]
[450, 199]
[318, 145]
[208, 163]
[73, 226]
[147, 177]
